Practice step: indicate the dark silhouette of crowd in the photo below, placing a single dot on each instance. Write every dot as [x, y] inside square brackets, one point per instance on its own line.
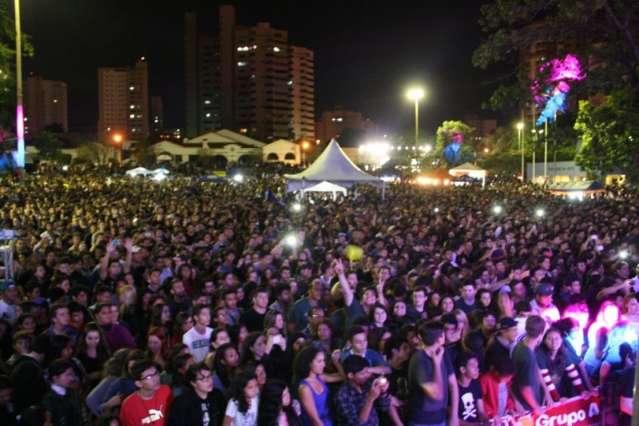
[188, 302]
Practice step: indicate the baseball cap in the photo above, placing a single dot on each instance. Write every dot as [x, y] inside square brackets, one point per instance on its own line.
[506, 323]
[545, 289]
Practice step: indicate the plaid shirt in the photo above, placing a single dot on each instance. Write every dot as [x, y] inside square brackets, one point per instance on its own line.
[350, 402]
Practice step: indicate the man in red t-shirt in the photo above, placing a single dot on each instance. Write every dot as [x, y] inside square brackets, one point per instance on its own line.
[150, 404]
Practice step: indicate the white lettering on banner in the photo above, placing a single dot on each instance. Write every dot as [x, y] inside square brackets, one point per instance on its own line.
[568, 419]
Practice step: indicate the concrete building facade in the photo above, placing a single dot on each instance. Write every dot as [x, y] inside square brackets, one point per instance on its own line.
[258, 84]
[123, 101]
[45, 103]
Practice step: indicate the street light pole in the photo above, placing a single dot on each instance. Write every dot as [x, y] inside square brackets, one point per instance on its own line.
[534, 165]
[19, 104]
[416, 94]
[520, 131]
[416, 122]
[545, 151]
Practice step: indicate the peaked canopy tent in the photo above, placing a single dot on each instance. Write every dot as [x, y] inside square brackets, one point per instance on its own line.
[326, 186]
[469, 169]
[332, 166]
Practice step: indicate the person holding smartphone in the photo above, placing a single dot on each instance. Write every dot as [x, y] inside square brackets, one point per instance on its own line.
[361, 397]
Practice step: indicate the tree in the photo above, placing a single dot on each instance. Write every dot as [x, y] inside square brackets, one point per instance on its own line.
[609, 133]
[445, 134]
[603, 33]
[7, 63]
[49, 145]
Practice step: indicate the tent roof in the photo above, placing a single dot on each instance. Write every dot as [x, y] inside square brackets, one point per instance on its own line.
[466, 167]
[333, 166]
[325, 186]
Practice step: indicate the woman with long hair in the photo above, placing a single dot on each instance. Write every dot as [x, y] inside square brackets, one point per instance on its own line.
[91, 350]
[225, 364]
[242, 407]
[553, 359]
[276, 408]
[254, 348]
[313, 392]
[161, 317]
[156, 346]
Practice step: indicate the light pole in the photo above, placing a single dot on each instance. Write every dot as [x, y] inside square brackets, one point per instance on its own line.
[416, 94]
[520, 130]
[117, 140]
[305, 147]
[19, 104]
[534, 144]
[545, 151]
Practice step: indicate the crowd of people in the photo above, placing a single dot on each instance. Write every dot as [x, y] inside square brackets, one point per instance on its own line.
[185, 302]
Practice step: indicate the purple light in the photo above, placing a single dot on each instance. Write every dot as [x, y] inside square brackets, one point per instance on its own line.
[19, 155]
[551, 93]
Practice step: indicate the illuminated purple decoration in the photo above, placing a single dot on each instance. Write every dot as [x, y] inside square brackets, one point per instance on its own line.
[551, 93]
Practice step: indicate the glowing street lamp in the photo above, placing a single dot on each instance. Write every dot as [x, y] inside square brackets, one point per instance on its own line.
[540, 212]
[296, 207]
[498, 209]
[117, 138]
[305, 147]
[623, 254]
[416, 94]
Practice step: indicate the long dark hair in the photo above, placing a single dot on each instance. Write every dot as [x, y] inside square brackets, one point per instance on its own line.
[303, 360]
[237, 390]
[102, 350]
[222, 370]
[271, 405]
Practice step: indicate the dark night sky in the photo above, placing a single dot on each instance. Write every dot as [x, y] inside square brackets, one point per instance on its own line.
[365, 51]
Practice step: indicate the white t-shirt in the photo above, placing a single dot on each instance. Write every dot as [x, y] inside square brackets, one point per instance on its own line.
[199, 344]
[243, 419]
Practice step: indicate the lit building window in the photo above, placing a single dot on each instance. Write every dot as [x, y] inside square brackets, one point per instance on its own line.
[133, 130]
[276, 49]
[340, 119]
[131, 106]
[207, 102]
[242, 48]
[290, 82]
[243, 130]
[254, 46]
[55, 101]
[241, 64]
[131, 115]
[208, 115]
[131, 88]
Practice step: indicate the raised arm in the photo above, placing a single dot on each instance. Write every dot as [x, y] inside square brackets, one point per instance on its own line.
[347, 291]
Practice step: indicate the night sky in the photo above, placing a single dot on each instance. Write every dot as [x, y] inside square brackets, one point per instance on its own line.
[365, 51]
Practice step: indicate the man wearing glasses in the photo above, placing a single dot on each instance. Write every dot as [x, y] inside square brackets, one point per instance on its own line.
[201, 405]
[150, 404]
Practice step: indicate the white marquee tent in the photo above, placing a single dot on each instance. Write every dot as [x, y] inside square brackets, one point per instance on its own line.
[327, 187]
[332, 166]
[470, 170]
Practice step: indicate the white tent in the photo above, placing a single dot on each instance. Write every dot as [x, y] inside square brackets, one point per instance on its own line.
[326, 186]
[138, 171]
[332, 166]
[469, 169]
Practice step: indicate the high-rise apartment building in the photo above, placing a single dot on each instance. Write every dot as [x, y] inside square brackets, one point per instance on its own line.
[202, 79]
[333, 123]
[45, 104]
[123, 101]
[302, 84]
[248, 79]
[157, 115]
